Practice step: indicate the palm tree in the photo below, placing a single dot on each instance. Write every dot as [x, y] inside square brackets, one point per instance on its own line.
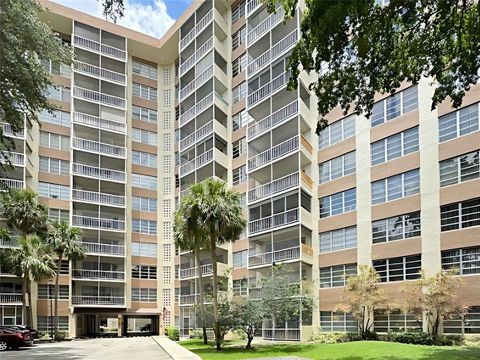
[223, 223]
[32, 261]
[63, 240]
[189, 234]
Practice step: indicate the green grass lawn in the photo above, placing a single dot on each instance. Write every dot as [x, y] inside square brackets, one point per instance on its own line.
[362, 350]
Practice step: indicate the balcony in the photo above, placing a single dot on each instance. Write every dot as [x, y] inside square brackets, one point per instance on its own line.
[265, 26]
[281, 334]
[196, 163]
[12, 184]
[8, 131]
[196, 30]
[274, 221]
[253, 5]
[197, 55]
[98, 198]
[10, 298]
[192, 272]
[98, 223]
[188, 299]
[99, 98]
[274, 153]
[268, 89]
[12, 243]
[98, 123]
[197, 136]
[98, 147]
[98, 274]
[103, 49]
[277, 118]
[101, 73]
[16, 159]
[196, 83]
[103, 249]
[292, 253]
[197, 109]
[274, 187]
[97, 300]
[98, 173]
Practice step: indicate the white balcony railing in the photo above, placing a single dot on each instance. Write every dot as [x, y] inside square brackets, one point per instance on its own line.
[197, 55]
[10, 298]
[98, 274]
[265, 25]
[188, 299]
[100, 48]
[98, 198]
[13, 184]
[196, 163]
[292, 253]
[98, 147]
[274, 187]
[281, 334]
[196, 83]
[98, 97]
[274, 221]
[272, 120]
[267, 89]
[198, 135]
[197, 109]
[274, 153]
[99, 72]
[8, 131]
[14, 158]
[96, 122]
[99, 248]
[99, 173]
[98, 223]
[97, 300]
[9, 243]
[253, 5]
[198, 28]
[192, 272]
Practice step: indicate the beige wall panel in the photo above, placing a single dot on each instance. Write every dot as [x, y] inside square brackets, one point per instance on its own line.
[144, 147]
[237, 25]
[239, 106]
[241, 273]
[237, 80]
[140, 124]
[57, 129]
[144, 192]
[397, 166]
[394, 126]
[471, 97]
[144, 170]
[54, 153]
[241, 188]
[62, 80]
[240, 133]
[337, 185]
[144, 283]
[337, 222]
[459, 146]
[397, 248]
[460, 238]
[338, 149]
[55, 203]
[239, 161]
[143, 305]
[43, 307]
[396, 207]
[61, 105]
[240, 245]
[238, 51]
[340, 257]
[460, 192]
[469, 292]
[330, 298]
[144, 81]
[54, 179]
[144, 215]
[144, 238]
[144, 103]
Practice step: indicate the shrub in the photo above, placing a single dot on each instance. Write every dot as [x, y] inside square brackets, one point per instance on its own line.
[196, 334]
[334, 337]
[60, 335]
[173, 333]
[411, 337]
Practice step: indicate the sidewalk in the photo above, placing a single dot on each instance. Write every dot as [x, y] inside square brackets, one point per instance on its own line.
[174, 350]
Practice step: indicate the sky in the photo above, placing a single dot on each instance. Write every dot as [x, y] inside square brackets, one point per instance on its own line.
[152, 17]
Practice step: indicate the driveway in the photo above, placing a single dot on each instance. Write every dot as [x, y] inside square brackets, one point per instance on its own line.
[144, 348]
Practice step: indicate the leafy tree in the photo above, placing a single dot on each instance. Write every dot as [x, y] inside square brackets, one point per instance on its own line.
[113, 9]
[436, 298]
[358, 48]
[249, 314]
[363, 296]
[63, 240]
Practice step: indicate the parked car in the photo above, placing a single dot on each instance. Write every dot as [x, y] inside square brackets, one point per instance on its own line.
[14, 339]
[33, 333]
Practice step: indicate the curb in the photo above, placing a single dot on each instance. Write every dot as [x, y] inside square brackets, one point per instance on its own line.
[174, 350]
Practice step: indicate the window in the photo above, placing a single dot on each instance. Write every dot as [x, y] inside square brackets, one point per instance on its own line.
[54, 141]
[337, 321]
[460, 215]
[334, 276]
[240, 120]
[144, 114]
[59, 93]
[239, 38]
[144, 204]
[239, 92]
[143, 226]
[57, 117]
[58, 214]
[396, 187]
[144, 294]
[240, 287]
[53, 191]
[466, 261]
[399, 268]
[144, 181]
[54, 166]
[239, 64]
[144, 272]
[144, 92]
[396, 321]
[336, 132]
[144, 136]
[44, 323]
[467, 324]
[146, 70]
[395, 106]
[337, 167]
[459, 169]
[47, 291]
[238, 11]
[396, 228]
[240, 259]
[56, 68]
[395, 146]
[167, 76]
[167, 97]
[144, 249]
[144, 159]
[461, 122]
[239, 147]
[339, 239]
[338, 203]
[239, 175]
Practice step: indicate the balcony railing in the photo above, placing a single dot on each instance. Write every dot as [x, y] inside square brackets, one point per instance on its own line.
[274, 153]
[274, 221]
[281, 334]
[253, 5]
[188, 299]
[10, 298]
[292, 253]
[274, 187]
[97, 300]
[272, 120]
[268, 88]
[98, 223]
[99, 248]
[12, 184]
[99, 173]
[98, 274]
[197, 109]
[196, 83]
[100, 48]
[98, 97]
[9, 243]
[196, 163]
[95, 146]
[14, 158]
[96, 122]
[198, 28]
[98, 198]
[99, 72]
[265, 25]
[8, 131]
[197, 55]
[192, 272]
[197, 136]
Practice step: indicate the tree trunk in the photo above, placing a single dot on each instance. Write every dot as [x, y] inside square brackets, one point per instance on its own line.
[30, 310]
[57, 288]
[200, 295]
[216, 328]
[24, 300]
[249, 341]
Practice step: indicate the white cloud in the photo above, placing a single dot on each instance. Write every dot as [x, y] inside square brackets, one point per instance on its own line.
[149, 17]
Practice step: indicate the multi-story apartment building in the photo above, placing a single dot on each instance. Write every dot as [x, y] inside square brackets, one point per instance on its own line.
[141, 119]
